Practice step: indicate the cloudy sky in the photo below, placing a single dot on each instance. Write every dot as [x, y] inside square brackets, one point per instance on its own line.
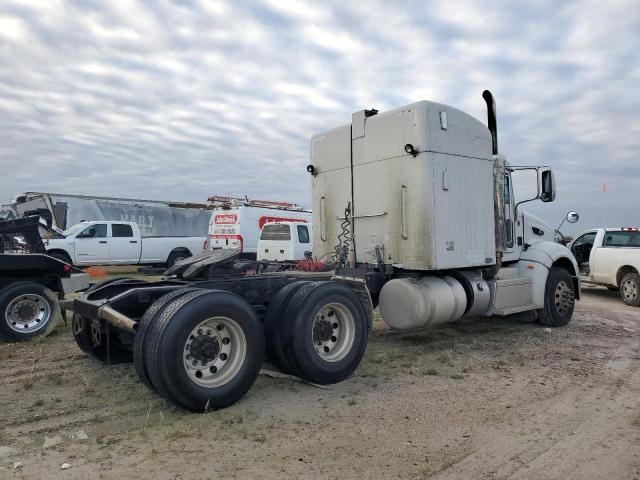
[184, 99]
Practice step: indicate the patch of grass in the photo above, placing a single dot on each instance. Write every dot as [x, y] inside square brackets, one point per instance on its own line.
[351, 402]
[430, 371]
[456, 376]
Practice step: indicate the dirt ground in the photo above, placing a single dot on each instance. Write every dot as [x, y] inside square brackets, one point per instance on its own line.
[486, 398]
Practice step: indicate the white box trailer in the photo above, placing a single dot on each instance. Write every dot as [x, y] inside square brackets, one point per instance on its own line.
[236, 223]
[155, 218]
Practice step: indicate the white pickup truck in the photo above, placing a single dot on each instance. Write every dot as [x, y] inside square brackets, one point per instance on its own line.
[119, 243]
[610, 257]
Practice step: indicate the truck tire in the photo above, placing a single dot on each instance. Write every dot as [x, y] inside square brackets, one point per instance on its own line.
[27, 310]
[142, 328]
[177, 257]
[205, 349]
[324, 332]
[91, 338]
[273, 320]
[63, 257]
[630, 289]
[559, 299]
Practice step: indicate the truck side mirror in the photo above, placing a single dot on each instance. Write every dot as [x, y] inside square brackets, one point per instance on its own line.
[573, 217]
[548, 186]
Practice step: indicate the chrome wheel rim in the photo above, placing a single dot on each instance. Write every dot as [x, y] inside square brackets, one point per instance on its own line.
[27, 313]
[214, 352]
[630, 290]
[564, 298]
[333, 332]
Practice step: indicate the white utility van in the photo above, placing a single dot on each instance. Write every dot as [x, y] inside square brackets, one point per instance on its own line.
[237, 223]
[282, 241]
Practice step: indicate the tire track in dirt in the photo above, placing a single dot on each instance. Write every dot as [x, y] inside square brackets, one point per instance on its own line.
[572, 432]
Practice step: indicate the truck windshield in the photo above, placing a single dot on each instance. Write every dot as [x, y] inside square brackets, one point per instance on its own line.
[622, 239]
[275, 232]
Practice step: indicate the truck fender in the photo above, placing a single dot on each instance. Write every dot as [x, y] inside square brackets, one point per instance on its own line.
[359, 286]
[538, 259]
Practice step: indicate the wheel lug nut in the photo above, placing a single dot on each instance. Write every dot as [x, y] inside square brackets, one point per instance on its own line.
[199, 331]
[223, 356]
[226, 341]
[209, 332]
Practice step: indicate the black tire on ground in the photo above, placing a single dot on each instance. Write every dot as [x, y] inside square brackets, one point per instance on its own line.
[27, 310]
[273, 320]
[91, 338]
[177, 256]
[630, 289]
[143, 325]
[205, 349]
[61, 256]
[324, 332]
[559, 299]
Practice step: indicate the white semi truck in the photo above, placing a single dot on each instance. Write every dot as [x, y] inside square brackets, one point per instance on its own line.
[414, 211]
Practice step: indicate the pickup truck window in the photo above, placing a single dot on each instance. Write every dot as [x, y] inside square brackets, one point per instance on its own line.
[622, 239]
[303, 234]
[275, 232]
[121, 230]
[99, 230]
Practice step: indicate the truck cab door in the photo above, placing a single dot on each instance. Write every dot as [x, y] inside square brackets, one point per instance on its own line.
[581, 249]
[92, 247]
[124, 246]
[605, 259]
[303, 241]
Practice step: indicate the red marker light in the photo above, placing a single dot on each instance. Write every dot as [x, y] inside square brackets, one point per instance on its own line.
[67, 268]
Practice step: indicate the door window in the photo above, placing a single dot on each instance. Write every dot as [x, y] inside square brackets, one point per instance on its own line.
[303, 234]
[99, 230]
[121, 230]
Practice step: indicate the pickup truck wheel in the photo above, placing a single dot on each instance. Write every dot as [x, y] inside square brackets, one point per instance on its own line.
[559, 299]
[206, 349]
[325, 332]
[91, 337]
[175, 257]
[28, 309]
[143, 326]
[630, 289]
[273, 320]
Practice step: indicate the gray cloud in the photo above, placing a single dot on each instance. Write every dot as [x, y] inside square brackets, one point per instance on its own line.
[181, 100]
